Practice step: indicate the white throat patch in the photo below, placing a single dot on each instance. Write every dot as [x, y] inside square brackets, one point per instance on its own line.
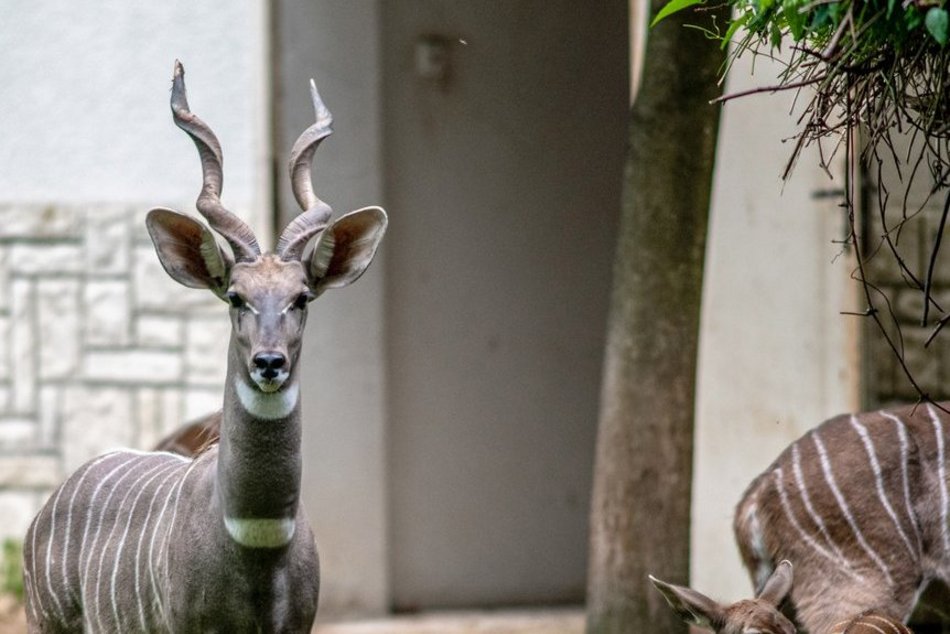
[268, 406]
[260, 532]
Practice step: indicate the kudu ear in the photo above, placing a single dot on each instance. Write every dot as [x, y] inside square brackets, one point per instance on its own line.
[188, 251]
[693, 607]
[346, 248]
[778, 585]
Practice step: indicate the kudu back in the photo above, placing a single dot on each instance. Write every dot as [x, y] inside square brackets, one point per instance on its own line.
[762, 615]
[860, 505]
[155, 542]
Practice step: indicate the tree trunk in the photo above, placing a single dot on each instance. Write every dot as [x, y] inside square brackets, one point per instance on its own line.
[640, 514]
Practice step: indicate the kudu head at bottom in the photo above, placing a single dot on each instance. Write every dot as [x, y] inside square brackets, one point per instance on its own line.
[760, 615]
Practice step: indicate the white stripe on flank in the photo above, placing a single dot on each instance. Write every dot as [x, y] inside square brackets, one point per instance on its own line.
[163, 469]
[260, 532]
[812, 513]
[49, 553]
[129, 489]
[905, 452]
[763, 568]
[36, 594]
[156, 590]
[163, 553]
[879, 480]
[67, 586]
[942, 476]
[786, 505]
[267, 406]
[138, 549]
[843, 505]
[133, 460]
[80, 570]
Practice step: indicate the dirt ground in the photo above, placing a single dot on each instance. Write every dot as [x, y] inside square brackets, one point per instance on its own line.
[12, 621]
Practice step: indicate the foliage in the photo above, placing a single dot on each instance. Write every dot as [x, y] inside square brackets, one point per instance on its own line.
[868, 70]
[11, 569]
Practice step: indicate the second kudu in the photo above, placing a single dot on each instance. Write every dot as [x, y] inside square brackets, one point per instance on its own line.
[761, 615]
[860, 505]
[154, 542]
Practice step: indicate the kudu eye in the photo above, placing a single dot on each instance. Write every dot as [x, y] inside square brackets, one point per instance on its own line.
[236, 300]
[302, 300]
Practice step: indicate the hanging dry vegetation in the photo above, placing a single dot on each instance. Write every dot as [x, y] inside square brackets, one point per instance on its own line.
[866, 72]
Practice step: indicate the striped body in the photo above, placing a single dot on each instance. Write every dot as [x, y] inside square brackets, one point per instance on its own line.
[870, 624]
[101, 555]
[157, 542]
[860, 506]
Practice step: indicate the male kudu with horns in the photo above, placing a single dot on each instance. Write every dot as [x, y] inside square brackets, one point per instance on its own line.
[153, 542]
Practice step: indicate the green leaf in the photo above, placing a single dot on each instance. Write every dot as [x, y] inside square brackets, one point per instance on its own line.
[672, 7]
[733, 27]
[936, 23]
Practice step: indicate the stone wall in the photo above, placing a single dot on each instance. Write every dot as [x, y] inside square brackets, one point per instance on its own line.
[99, 348]
[885, 381]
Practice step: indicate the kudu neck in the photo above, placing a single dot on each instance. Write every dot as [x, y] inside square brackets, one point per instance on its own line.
[259, 455]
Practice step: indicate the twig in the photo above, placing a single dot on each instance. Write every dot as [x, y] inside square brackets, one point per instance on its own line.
[933, 258]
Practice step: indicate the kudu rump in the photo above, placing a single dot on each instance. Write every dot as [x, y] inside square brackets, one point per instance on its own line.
[860, 505]
[153, 542]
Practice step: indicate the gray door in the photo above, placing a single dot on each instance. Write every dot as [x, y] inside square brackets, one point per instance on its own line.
[504, 174]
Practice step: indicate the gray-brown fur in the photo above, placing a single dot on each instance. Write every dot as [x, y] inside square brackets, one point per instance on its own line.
[156, 542]
[193, 437]
[860, 506]
[762, 615]
[871, 624]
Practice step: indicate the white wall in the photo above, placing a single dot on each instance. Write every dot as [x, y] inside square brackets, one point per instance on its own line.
[776, 357]
[98, 347]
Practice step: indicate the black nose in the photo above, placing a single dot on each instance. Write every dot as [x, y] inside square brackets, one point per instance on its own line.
[269, 363]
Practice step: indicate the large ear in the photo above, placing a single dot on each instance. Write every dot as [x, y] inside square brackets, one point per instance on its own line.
[346, 248]
[778, 585]
[188, 251]
[693, 607]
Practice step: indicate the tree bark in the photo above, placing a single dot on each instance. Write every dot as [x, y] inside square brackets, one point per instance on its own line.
[640, 514]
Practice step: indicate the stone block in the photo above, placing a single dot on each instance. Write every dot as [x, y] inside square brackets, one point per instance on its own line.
[58, 315]
[94, 420]
[34, 222]
[4, 278]
[5, 348]
[159, 331]
[46, 259]
[199, 402]
[148, 414]
[29, 471]
[47, 432]
[23, 349]
[172, 410]
[107, 313]
[108, 240]
[17, 508]
[132, 367]
[17, 434]
[923, 364]
[206, 349]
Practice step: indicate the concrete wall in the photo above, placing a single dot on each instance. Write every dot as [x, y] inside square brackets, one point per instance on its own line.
[337, 44]
[776, 355]
[98, 347]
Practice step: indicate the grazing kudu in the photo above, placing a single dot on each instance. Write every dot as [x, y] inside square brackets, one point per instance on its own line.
[761, 615]
[154, 542]
[860, 504]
